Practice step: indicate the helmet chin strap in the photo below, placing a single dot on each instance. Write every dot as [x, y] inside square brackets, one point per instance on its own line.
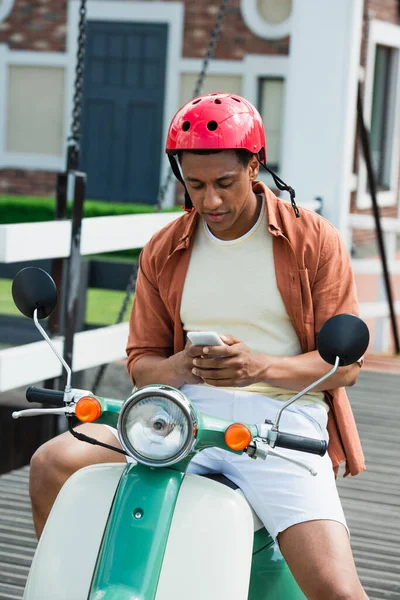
[281, 185]
[175, 169]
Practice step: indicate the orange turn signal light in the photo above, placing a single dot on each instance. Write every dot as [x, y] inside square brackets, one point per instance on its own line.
[238, 436]
[88, 409]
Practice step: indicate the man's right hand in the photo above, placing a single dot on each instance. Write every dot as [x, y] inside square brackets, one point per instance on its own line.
[176, 370]
[186, 365]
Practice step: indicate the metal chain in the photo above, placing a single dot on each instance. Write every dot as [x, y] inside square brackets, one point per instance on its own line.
[74, 139]
[211, 47]
[163, 189]
[198, 87]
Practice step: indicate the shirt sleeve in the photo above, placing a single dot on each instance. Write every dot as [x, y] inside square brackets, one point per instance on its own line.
[150, 325]
[333, 290]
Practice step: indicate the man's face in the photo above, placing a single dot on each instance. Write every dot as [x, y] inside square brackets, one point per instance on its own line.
[221, 192]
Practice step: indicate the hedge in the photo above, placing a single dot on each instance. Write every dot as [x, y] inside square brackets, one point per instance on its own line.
[29, 209]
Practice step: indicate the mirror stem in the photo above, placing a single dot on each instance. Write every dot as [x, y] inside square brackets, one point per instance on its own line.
[60, 358]
[302, 393]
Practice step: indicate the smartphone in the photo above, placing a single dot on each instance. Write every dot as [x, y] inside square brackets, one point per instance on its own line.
[205, 338]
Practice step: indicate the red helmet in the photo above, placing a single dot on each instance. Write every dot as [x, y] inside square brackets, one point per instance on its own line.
[217, 122]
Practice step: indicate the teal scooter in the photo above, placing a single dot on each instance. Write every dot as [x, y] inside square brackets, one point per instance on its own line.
[152, 531]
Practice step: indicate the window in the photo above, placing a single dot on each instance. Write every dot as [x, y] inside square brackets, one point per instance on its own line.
[231, 84]
[383, 114]
[271, 100]
[275, 11]
[270, 19]
[35, 115]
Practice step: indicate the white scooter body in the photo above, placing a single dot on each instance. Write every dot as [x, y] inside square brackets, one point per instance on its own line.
[211, 533]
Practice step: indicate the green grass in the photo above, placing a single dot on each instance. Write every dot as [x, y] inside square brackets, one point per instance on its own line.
[102, 306]
[7, 306]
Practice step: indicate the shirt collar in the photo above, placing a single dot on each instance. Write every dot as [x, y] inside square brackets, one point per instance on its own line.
[271, 201]
[190, 225]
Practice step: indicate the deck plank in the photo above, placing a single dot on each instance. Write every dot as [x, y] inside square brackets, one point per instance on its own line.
[371, 500]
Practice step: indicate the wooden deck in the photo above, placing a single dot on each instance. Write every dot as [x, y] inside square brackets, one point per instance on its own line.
[371, 500]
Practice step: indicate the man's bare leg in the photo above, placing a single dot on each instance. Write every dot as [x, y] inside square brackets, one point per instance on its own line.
[58, 459]
[319, 555]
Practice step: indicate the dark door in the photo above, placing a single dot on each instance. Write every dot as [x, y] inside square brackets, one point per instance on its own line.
[122, 116]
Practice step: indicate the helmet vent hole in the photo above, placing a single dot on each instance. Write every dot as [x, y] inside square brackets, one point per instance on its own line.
[217, 101]
[186, 126]
[212, 125]
[197, 101]
[237, 99]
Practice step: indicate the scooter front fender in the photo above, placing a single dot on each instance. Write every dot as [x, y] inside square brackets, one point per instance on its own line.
[209, 550]
[66, 556]
[134, 541]
[172, 536]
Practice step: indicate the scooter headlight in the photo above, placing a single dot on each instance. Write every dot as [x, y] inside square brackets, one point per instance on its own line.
[157, 426]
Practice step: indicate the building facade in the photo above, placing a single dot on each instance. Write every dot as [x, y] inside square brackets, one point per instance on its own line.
[299, 61]
[142, 62]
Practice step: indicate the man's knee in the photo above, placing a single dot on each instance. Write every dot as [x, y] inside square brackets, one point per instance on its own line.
[51, 464]
[59, 458]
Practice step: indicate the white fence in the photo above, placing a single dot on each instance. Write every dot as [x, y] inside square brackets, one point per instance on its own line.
[30, 363]
[34, 241]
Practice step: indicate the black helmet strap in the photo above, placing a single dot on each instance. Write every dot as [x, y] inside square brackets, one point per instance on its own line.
[175, 169]
[281, 185]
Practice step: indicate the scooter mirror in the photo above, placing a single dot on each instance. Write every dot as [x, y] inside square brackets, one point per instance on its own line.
[345, 336]
[32, 289]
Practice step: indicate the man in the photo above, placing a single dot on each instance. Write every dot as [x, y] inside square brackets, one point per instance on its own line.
[240, 263]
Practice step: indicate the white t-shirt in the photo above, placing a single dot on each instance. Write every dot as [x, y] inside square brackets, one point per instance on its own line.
[231, 288]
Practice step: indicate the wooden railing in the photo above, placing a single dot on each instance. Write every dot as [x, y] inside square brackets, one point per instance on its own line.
[22, 365]
[29, 363]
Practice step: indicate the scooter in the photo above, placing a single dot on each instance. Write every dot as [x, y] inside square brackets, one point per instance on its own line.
[151, 531]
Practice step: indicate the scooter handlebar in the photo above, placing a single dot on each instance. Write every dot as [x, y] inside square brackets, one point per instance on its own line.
[43, 396]
[298, 442]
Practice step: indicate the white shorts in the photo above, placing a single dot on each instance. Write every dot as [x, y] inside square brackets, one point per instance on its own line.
[281, 493]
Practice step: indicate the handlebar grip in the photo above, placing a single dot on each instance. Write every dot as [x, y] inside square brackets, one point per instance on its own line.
[298, 442]
[43, 396]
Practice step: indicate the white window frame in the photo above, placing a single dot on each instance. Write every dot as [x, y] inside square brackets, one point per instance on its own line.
[252, 68]
[258, 25]
[261, 66]
[20, 160]
[385, 34]
[172, 14]
[5, 9]
[264, 82]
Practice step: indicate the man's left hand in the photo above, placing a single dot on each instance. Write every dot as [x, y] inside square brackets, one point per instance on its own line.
[233, 365]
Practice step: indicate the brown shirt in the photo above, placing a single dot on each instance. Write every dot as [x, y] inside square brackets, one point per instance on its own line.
[314, 278]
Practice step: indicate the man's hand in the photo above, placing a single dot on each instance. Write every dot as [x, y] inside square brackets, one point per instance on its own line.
[186, 358]
[176, 370]
[233, 365]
